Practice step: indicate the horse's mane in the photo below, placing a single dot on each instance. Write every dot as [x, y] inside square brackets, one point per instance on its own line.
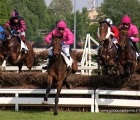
[123, 31]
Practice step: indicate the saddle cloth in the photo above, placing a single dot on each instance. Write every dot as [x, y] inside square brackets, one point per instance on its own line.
[67, 61]
[23, 46]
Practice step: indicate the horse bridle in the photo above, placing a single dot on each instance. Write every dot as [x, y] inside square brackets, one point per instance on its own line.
[108, 31]
[125, 43]
[55, 56]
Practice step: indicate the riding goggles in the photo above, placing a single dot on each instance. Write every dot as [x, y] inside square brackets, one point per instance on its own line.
[61, 28]
[15, 18]
[126, 24]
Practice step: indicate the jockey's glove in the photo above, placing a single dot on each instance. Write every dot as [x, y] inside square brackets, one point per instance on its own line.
[131, 38]
[62, 43]
[15, 32]
[112, 33]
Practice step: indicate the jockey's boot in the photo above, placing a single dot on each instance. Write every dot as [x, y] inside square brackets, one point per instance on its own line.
[46, 65]
[136, 50]
[23, 50]
[116, 58]
[23, 39]
[69, 67]
[98, 50]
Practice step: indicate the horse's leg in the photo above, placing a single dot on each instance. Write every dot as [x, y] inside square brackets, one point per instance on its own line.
[98, 70]
[59, 87]
[3, 66]
[128, 70]
[65, 79]
[133, 67]
[20, 67]
[74, 64]
[108, 71]
[30, 59]
[121, 70]
[49, 83]
[73, 71]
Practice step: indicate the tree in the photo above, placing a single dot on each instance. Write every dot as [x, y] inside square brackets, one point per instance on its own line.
[93, 30]
[5, 10]
[60, 7]
[82, 24]
[116, 9]
[35, 14]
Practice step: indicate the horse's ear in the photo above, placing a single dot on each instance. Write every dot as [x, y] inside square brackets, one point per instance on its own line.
[123, 28]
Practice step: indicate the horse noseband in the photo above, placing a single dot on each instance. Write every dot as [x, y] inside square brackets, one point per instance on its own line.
[101, 42]
[55, 56]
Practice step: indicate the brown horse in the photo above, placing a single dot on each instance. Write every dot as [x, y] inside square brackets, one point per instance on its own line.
[126, 55]
[57, 71]
[10, 51]
[107, 51]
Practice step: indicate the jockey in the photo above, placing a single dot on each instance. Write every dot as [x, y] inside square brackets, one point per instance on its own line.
[17, 24]
[114, 31]
[132, 33]
[67, 40]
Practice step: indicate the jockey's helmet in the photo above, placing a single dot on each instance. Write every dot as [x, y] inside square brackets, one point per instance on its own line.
[14, 14]
[109, 21]
[61, 24]
[126, 19]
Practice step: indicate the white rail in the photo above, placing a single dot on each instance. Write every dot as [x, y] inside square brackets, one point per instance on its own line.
[15, 68]
[86, 57]
[34, 100]
[92, 101]
[128, 103]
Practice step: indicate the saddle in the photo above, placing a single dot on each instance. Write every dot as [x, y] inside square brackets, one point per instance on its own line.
[67, 60]
[24, 48]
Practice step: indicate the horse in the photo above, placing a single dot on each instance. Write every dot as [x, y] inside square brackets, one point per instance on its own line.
[126, 55]
[57, 71]
[107, 51]
[11, 51]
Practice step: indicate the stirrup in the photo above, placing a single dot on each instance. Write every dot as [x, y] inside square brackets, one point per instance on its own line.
[138, 58]
[69, 68]
[116, 58]
[45, 67]
[23, 50]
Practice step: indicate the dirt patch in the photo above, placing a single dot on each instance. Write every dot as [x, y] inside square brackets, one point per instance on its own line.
[38, 80]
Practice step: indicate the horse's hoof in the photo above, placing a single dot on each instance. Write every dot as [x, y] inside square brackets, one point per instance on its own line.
[55, 113]
[99, 73]
[109, 73]
[2, 68]
[68, 86]
[43, 71]
[44, 102]
[127, 75]
[122, 76]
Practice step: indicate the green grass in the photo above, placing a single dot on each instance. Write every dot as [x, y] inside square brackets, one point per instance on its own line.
[33, 115]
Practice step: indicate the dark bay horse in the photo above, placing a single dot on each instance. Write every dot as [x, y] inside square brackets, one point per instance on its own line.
[126, 55]
[10, 51]
[57, 71]
[107, 51]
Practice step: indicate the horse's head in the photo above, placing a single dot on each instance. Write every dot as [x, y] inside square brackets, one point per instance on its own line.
[56, 43]
[123, 38]
[104, 31]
